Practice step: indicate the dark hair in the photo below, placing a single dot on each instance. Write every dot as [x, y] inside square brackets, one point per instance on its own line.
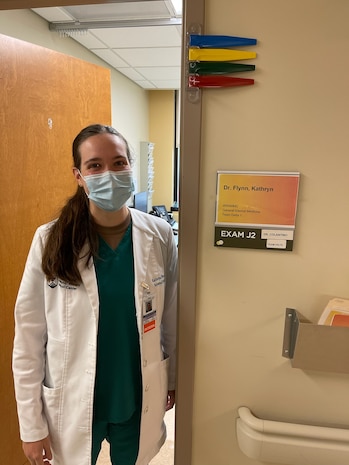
[74, 227]
[93, 130]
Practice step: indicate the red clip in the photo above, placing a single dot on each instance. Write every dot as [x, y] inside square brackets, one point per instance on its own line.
[218, 81]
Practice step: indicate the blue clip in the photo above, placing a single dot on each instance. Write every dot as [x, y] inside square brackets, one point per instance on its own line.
[213, 41]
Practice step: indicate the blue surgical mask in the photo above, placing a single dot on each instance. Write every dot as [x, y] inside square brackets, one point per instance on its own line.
[110, 190]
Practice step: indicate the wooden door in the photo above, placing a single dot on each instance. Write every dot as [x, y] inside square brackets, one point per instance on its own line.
[46, 98]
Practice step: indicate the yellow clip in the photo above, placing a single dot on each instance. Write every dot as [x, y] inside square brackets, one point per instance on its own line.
[219, 54]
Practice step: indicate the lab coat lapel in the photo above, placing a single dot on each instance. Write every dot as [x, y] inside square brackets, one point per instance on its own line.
[142, 241]
[88, 276]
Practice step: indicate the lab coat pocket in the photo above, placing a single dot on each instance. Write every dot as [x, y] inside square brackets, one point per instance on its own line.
[55, 351]
[164, 376]
[51, 400]
[154, 401]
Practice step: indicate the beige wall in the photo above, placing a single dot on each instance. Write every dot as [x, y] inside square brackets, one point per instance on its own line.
[130, 105]
[161, 133]
[294, 118]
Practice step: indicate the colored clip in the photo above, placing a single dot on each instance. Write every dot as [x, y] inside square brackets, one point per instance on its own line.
[218, 81]
[219, 54]
[214, 41]
[207, 67]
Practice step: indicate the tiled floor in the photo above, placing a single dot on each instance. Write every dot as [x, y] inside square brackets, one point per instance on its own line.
[166, 454]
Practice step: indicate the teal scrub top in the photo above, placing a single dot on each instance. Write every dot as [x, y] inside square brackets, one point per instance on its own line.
[118, 372]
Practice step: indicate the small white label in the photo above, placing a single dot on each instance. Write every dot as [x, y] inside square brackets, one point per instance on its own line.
[277, 234]
[276, 244]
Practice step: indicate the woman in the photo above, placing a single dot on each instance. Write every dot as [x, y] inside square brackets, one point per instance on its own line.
[94, 348]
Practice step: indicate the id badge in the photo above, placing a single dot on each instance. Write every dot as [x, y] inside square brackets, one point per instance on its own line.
[149, 313]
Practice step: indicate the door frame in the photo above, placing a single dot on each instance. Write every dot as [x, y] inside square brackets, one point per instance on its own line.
[189, 188]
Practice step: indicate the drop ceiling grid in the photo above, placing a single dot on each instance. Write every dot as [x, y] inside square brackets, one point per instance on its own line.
[149, 56]
[129, 37]
[111, 58]
[143, 57]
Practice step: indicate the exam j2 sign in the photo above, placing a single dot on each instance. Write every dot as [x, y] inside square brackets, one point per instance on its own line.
[256, 209]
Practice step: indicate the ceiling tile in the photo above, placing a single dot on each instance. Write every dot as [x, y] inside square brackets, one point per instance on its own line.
[146, 84]
[166, 85]
[131, 73]
[136, 57]
[110, 57]
[88, 40]
[159, 73]
[129, 37]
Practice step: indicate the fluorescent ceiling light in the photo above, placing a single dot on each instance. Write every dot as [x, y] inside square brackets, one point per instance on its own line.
[177, 6]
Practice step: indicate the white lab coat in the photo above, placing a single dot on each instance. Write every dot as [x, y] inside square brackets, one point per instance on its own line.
[54, 356]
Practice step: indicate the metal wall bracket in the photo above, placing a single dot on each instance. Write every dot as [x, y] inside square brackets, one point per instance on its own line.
[193, 93]
[312, 346]
[290, 332]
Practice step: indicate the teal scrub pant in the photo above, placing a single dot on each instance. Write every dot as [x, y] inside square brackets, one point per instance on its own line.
[122, 437]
